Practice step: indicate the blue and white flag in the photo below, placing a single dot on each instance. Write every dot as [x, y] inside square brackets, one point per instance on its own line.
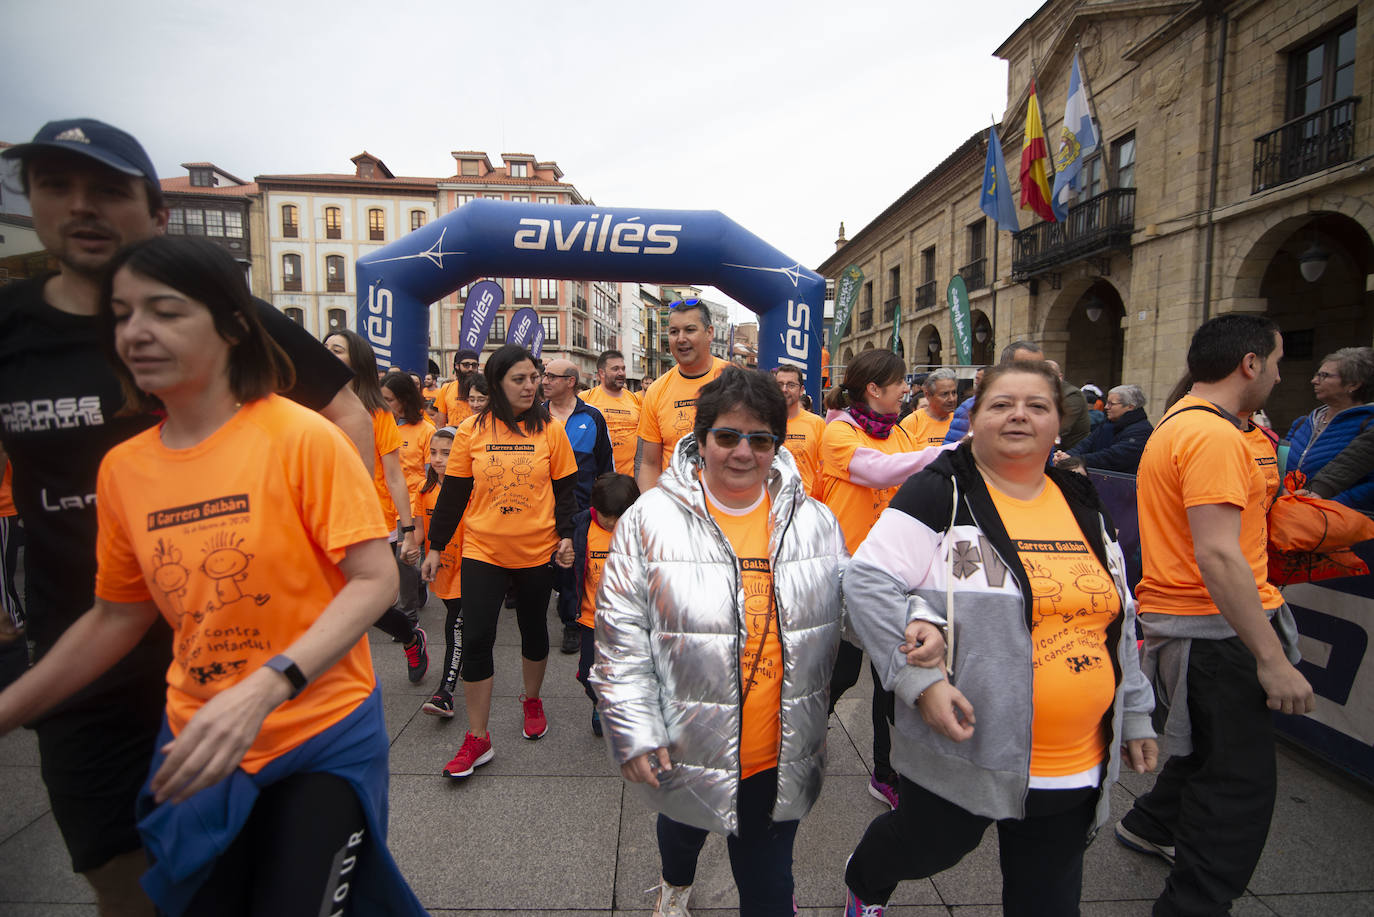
[996, 200]
[1078, 140]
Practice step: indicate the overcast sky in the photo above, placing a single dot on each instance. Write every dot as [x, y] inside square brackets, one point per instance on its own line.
[787, 117]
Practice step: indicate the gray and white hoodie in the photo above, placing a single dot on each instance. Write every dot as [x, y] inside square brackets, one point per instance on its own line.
[942, 530]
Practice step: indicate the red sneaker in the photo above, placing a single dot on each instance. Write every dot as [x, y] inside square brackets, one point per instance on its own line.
[474, 753]
[536, 724]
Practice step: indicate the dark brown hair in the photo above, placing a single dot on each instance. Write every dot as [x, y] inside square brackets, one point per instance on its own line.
[206, 273]
[881, 367]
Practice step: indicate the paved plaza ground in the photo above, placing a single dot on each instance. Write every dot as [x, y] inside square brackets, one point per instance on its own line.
[548, 828]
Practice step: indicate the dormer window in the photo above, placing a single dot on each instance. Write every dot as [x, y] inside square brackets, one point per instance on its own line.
[202, 178]
[519, 170]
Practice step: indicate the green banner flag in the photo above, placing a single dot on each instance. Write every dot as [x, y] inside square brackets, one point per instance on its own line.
[896, 325]
[847, 287]
[960, 320]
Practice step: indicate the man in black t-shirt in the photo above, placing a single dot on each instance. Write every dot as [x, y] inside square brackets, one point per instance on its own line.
[92, 189]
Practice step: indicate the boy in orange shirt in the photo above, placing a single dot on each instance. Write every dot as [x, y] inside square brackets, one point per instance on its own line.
[612, 494]
[447, 585]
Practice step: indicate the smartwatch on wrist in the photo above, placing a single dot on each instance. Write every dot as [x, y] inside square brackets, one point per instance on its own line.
[406, 529]
[288, 668]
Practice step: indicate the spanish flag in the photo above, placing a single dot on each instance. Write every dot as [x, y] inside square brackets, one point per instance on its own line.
[1035, 153]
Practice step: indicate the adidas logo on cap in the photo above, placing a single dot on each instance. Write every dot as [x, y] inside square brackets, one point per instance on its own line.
[74, 135]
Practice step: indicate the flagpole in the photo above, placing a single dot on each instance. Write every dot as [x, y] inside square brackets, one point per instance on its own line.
[996, 233]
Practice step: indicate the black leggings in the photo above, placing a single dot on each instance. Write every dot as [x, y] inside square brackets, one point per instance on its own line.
[453, 643]
[295, 856]
[846, 674]
[484, 589]
[394, 623]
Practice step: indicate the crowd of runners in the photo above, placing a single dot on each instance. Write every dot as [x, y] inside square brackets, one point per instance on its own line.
[217, 508]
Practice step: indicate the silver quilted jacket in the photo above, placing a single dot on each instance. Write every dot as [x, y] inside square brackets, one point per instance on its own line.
[669, 628]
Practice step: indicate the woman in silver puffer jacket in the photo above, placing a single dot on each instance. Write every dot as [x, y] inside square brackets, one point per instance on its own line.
[717, 625]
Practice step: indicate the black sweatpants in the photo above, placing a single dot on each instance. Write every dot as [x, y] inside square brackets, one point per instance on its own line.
[845, 676]
[484, 589]
[295, 856]
[1041, 854]
[760, 855]
[1215, 804]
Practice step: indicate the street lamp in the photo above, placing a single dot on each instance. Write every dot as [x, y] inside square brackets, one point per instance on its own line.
[1312, 262]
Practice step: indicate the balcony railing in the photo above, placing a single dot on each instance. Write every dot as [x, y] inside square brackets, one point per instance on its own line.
[866, 319]
[1101, 223]
[974, 274]
[890, 308]
[1315, 141]
[925, 295]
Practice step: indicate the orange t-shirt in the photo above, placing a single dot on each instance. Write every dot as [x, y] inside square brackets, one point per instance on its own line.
[1073, 602]
[622, 422]
[855, 506]
[804, 442]
[761, 722]
[1197, 459]
[241, 557]
[598, 546]
[670, 407]
[385, 440]
[7, 493]
[924, 430]
[454, 409]
[429, 395]
[509, 519]
[447, 582]
[415, 452]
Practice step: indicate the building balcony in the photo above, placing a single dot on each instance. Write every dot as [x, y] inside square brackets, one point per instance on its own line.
[1315, 141]
[890, 308]
[974, 274]
[1102, 223]
[290, 230]
[925, 295]
[866, 319]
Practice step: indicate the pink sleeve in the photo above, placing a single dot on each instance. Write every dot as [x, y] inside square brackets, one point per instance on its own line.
[871, 468]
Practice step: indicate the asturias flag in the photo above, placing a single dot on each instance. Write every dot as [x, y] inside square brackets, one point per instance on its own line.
[1078, 142]
[996, 200]
[1035, 153]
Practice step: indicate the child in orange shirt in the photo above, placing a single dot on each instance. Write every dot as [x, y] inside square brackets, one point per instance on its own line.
[447, 585]
[612, 494]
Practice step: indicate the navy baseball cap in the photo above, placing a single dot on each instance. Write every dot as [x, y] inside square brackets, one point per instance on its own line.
[102, 142]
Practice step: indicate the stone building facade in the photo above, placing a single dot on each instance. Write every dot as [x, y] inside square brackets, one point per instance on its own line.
[1234, 166]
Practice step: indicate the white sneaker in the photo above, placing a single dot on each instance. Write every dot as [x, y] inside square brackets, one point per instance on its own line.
[672, 900]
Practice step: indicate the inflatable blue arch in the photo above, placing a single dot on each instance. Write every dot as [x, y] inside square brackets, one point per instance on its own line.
[489, 238]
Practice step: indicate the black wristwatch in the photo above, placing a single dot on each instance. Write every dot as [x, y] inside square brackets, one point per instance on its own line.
[288, 668]
[407, 528]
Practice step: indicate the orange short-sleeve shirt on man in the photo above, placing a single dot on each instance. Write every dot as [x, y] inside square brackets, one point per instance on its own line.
[622, 423]
[415, 452]
[761, 724]
[855, 506]
[241, 557]
[449, 406]
[598, 546]
[509, 518]
[1073, 601]
[804, 442]
[447, 583]
[385, 440]
[670, 406]
[1198, 459]
[924, 430]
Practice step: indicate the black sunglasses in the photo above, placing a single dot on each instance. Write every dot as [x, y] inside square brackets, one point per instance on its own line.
[728, 438]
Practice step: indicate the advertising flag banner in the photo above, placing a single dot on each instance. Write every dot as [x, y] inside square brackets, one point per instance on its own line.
[846, 294]
[522, 325]
[1035, 156]
[996, 200]
[537, 342]
[479, 313]
[960, 320]
[896, 324]
[1078, 140]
